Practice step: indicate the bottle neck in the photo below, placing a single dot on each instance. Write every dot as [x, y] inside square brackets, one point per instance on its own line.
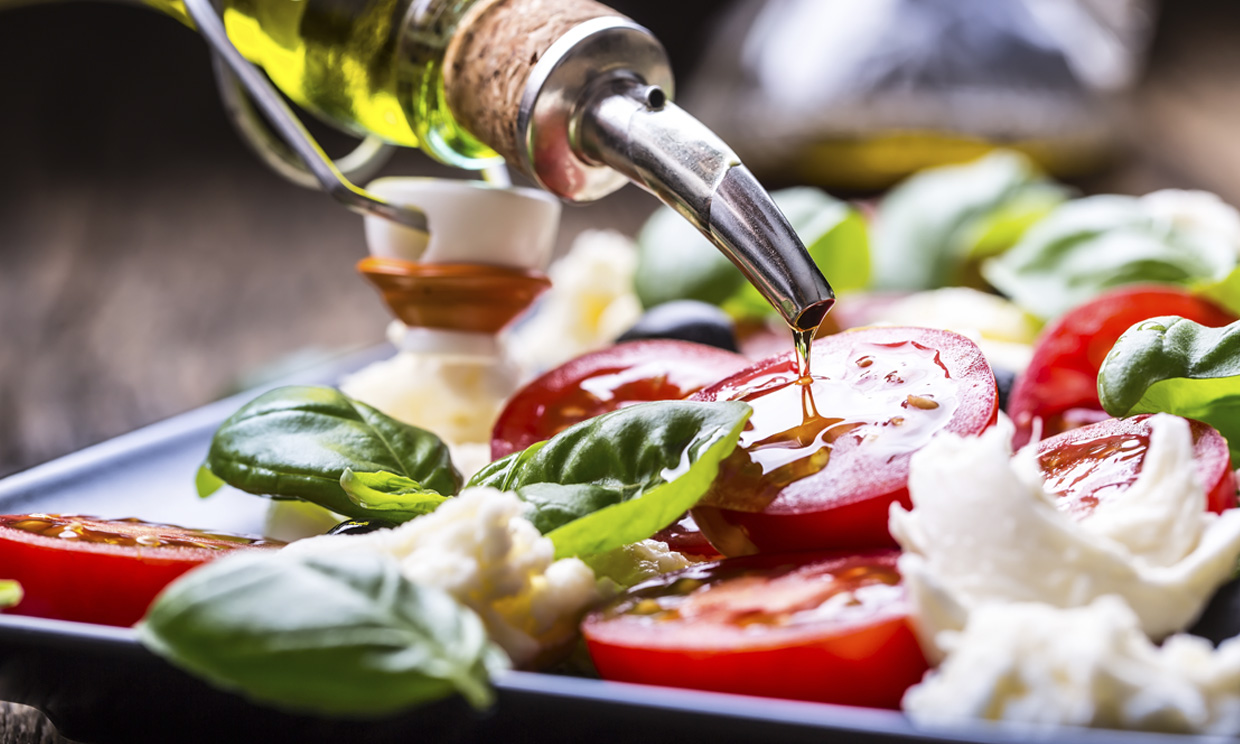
[580, 101]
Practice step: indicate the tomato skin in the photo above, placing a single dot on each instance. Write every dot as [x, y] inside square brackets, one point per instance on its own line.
[1060, 386]
[630, 372]
[684, 536]
[1122, 444]
[98, 582]
[857, 525]
[867, 661]
[844, 504]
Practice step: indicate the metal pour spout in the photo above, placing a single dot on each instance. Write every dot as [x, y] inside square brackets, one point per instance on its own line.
[632, 128]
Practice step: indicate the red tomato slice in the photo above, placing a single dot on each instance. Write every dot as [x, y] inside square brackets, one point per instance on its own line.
[602, 381]
[1060, 386]
[824, 627]
[1087, 466]
[684, 536]
[96, 571]
[819, 465]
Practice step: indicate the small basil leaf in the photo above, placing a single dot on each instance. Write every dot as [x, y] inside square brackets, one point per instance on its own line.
[206, 482]
[1173, 365]
[10, 593]
[620, 477]
[675, 262]
[343, 635]
[296, 442]
[1090, 245]
[931, 224]
[390, 496]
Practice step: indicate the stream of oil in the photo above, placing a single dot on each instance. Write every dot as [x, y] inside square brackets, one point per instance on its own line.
[803, 342]
[884, 400]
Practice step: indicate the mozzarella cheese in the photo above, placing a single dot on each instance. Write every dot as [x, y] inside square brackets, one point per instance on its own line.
[1196, 211]
[983, 530]
[590, 303]
[1089, 666]
[628, 565]
[478, 548]
[457, 400]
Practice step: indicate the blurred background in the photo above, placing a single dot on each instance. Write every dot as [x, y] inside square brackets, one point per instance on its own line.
[149, 263]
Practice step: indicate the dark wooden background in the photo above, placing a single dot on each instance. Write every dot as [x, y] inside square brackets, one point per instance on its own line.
[148, 263]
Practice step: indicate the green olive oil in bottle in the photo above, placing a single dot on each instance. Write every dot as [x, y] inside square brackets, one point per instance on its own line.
[366, 66]
[569, 92]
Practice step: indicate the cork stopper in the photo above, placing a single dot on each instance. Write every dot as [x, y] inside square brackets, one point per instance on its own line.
[489, 60]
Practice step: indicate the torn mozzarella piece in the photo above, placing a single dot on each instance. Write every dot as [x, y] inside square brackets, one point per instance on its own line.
[1089, 666]
[456, 400]
[1197, 211]
[983, 530]
[478, 548]
[632, 564]
[590, 303]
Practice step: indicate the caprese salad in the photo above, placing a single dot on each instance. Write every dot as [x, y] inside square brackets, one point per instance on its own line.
[876, 533]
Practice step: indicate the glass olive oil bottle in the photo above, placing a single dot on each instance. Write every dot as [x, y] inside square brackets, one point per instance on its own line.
[367, 66]
[569, 92]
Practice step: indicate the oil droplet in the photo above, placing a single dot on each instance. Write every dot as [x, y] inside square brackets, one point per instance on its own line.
[923, 402]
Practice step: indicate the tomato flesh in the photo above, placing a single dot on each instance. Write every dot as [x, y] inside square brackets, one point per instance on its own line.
[822, 460]
[824, 627]
[1087, 466]
[1060, 386]
[96, 571]
[684, 536]
[603, 381]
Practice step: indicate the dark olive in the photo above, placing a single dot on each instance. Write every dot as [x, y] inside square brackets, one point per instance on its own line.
[360, 526]
[685, 320]
[1004, 380]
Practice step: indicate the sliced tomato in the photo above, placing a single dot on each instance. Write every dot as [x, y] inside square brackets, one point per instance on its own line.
[97, 571]
[1060, 386]
[1087, 466]
[824, 627]
[602, 381]
[684, 536]
[821, 461]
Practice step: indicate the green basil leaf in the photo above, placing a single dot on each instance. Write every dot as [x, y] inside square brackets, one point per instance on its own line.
[206, 482]
[1225, 291]
[390, 496]
[1173, 365]
[931, 224]
[297, 442]
[553, 505]
[342, 634]
[675, 262]
[1090, 245]
[10, 593]
[620, 477]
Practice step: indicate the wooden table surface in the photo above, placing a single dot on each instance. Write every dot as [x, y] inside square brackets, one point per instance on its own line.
[148, 263]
